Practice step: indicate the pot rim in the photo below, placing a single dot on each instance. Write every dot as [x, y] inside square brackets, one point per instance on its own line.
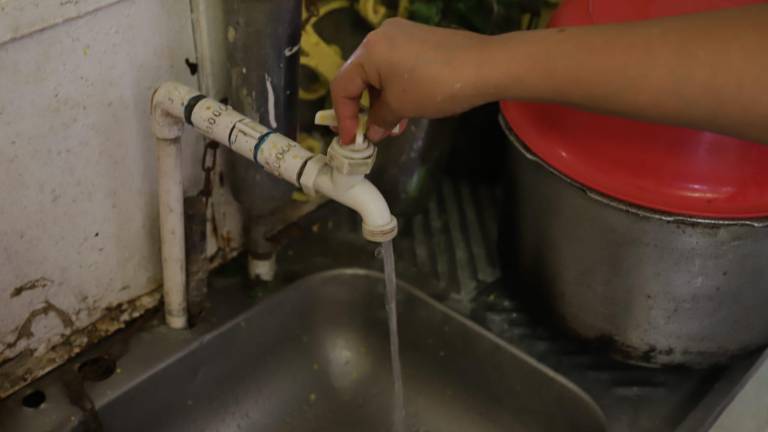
[623, 205]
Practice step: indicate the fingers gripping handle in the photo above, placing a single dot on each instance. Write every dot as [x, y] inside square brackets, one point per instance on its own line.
[328, 118]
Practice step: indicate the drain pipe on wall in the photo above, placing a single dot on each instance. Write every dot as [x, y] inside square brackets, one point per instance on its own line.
[340, 176]
[167, 125]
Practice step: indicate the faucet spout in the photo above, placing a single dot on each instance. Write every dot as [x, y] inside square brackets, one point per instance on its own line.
[340, 175]
[359, 194]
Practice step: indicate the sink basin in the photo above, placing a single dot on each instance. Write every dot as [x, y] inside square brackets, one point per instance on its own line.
[315, 357]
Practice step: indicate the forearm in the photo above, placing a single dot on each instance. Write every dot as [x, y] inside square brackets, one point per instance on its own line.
[706, 71]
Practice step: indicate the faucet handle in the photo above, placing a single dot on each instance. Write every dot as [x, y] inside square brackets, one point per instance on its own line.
[328, 118]
[356, 159]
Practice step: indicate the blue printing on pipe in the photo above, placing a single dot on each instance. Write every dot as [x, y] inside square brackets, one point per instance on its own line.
[262, 139]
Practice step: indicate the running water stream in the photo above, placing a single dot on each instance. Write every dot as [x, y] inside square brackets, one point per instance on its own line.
[390, 279]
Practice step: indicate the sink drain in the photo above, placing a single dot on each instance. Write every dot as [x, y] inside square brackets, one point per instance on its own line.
[34, 400]
[97, 368]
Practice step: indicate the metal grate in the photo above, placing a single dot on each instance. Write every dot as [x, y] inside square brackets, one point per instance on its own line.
[454, 240]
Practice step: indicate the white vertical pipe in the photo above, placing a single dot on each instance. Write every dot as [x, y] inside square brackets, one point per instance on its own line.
[168, 104]
[171, 200]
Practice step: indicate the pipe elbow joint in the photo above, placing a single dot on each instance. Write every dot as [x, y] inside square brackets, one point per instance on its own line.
[167, 108]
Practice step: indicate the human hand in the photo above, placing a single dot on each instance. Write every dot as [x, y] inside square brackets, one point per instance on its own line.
[410, 70]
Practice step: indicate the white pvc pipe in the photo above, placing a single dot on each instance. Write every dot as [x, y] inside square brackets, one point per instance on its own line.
[171, 206]
[172, 104]
[263, 269]
[168, 104]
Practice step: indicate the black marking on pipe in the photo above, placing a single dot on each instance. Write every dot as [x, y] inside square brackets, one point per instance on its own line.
[262, 139]
[190, 107]
[300, 172]
[231, 131]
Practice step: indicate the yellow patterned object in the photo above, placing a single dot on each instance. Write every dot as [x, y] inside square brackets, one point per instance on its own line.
[322, 58]
[373, 11]
[403, 7]
[311, 142]
[299, 196]
[325, 59]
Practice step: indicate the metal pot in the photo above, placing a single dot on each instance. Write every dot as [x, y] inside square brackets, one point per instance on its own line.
[662, 289]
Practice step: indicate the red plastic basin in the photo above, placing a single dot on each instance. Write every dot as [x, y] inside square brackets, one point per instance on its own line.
[670, 169]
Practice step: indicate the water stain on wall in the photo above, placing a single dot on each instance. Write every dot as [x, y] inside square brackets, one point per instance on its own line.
[34, 284]
[26, 366]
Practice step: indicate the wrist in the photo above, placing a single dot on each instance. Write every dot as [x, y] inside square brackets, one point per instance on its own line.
[514, 66]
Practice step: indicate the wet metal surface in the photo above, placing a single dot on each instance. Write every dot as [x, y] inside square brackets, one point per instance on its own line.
[314, 356]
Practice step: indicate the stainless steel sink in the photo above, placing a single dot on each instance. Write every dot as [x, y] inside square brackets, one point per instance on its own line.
[314, 357]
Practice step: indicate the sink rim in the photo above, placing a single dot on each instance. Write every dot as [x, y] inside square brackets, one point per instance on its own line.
[223, 317]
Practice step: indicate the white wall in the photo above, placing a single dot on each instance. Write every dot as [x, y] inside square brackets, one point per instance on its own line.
[78, 217]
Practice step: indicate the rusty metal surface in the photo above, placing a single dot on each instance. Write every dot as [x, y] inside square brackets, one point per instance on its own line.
[195, 249]
[19, 370]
